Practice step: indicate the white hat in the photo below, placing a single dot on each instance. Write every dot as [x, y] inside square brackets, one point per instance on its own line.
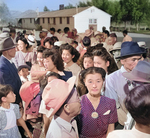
[31, 40]
[59, 43]
[142, 44]
[44, 30]
[7, 30]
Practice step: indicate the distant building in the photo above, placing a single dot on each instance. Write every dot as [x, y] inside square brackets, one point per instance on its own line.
[80, 18]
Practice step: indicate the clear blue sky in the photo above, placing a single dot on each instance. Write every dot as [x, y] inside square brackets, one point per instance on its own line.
[23, 5]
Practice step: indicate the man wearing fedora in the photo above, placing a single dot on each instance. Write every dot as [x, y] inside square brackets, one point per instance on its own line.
[8, 71]
[131, 53]
[139, 75]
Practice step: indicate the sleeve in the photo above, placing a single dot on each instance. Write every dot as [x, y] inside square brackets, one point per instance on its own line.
[17, 112]
[113, 114]
[110, 90]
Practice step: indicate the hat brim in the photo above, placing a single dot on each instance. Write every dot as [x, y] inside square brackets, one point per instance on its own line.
[114, 50]
[131, 54]
[71, 82]
[132, 77]
[9, 48]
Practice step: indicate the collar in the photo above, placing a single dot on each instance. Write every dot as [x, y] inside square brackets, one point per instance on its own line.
[139, 132]
[7, 59]
[63, 123]
[61, 73]
[123, 69]
[7, 110]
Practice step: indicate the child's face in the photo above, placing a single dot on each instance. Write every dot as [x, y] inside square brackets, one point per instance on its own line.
[88, 62]
[51, 78]
[11, 97]
[24, 72]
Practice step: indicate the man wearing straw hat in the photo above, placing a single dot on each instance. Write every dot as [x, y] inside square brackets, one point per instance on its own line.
[8, 72]
[62, 102]
[131, 53]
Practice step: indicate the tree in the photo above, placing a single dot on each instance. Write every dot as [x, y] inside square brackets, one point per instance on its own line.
[46, 9]
[134, 10]
[69, 6]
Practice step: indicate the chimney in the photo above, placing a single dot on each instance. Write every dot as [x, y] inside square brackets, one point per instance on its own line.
[61, 7]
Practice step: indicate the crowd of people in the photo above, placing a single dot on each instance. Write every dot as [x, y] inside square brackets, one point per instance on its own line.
[73, 86]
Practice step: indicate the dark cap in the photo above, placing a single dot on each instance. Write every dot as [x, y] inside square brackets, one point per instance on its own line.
[86, 41]
[6, 43]
[23, 66]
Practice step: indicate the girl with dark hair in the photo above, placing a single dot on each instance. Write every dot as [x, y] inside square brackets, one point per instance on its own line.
[24, 55]
[103, 59]
[98, 113]
[137, 103]
[49, 42]
[70, 56]
[54, 63]
[10, 114]
[87, 60]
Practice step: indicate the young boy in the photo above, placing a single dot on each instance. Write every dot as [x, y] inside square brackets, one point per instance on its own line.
[23, 72]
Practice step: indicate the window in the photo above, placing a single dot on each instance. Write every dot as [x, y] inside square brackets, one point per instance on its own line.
[43, 20]
[48, 20]
[92, 21]
[54, 21]
[60, 19]
[30, 20]
[67, 20]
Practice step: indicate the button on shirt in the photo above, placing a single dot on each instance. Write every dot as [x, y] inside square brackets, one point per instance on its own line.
[59, 128]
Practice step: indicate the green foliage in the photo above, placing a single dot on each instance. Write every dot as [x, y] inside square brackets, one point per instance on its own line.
[69, 6]
[46, 9]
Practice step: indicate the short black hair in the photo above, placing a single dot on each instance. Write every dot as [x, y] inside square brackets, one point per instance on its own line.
[66, 29]
[52, 29]
[125, 32]
[137, 103]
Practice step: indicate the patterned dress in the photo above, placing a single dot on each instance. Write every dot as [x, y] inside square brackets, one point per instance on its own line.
[96, 127]
[8, 126]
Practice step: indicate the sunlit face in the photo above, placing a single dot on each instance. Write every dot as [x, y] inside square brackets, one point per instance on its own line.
[11, 97]
[131, 62]
[99, 62]
[48, 64]
[74, 104]
[40, 59]
[51, 78]
[24, 72]
[88, 62]
[47, 45]
[21, 45]
[94, 83]
[111, 40]
[66, 56]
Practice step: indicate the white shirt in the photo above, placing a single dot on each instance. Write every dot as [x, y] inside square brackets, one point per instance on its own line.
[134, 133]
[59, 128]
[11, 117]
[115, 83]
